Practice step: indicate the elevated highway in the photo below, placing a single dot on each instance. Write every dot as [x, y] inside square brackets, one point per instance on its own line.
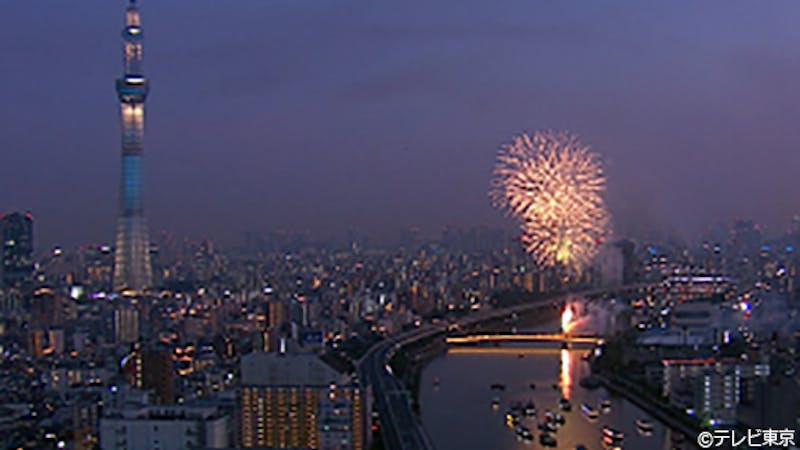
[400, 427]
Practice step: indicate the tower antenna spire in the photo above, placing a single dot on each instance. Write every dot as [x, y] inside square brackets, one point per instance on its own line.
[132, 270]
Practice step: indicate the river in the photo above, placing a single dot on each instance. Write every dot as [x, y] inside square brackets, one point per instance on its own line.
[457, 411]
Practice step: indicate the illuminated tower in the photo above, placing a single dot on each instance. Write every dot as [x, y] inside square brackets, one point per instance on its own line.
[132, 258]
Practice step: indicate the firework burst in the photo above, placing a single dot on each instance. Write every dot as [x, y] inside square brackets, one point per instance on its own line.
[553, 185]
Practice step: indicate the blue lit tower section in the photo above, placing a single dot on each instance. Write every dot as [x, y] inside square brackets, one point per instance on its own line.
[132, 270]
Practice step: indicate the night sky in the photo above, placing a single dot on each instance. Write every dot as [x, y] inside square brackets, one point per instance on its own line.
[328, 114]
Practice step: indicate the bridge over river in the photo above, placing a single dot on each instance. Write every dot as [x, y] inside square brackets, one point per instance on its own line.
[522, 337]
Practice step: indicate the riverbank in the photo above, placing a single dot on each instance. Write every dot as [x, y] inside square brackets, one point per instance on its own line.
[408, 363]
[412, 359]
[653, 406]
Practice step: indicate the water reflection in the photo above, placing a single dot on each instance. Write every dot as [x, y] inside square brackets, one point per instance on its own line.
[461, 414]
[525, 351]
[566, 374]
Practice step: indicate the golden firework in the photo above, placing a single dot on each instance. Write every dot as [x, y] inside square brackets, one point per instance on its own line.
[553, 185]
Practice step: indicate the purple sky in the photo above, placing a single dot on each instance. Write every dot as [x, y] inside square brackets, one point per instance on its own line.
[328, 114]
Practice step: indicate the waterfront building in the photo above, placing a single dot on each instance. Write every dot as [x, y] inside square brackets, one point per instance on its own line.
[708, 388]
[717, 394]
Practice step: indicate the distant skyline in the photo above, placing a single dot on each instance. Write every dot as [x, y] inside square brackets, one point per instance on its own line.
[326, 115]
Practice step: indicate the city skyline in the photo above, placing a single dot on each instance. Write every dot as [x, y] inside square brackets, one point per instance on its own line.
[399, 226]
[270, 144]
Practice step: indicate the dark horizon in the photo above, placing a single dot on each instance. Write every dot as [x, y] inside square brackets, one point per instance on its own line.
[322, 116]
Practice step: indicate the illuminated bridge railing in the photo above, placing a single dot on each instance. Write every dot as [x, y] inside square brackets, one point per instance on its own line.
[536, 337]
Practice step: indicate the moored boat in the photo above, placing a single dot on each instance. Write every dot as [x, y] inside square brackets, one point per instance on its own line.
[590, 412]
[512, 420]
[547, 440]
[613, 434]
[529, 410]
[645, 426]
[524, 433]
[547, 426]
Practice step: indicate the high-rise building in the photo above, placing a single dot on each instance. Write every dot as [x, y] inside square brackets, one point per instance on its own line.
[708, 388]
[126, 324]
[17, 250]
[46, 309]
[132, 269]
[151, 369]
[296, 401]
[275, 332]
[86, 409]
[277, 312]
[36, 343]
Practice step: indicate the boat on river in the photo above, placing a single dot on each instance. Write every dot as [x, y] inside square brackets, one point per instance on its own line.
[590, 412]
[644, 426]
[529, 410]
[547, 440]
[613, 434]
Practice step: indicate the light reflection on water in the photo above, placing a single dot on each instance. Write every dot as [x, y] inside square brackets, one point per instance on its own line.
[566, 374]
[458, 415]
